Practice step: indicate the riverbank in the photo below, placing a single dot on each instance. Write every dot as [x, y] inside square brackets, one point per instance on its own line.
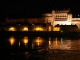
[39, 33]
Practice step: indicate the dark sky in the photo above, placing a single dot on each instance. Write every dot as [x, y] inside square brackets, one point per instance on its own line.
[35, 8]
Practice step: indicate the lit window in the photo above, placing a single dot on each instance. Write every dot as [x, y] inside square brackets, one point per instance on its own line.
[38, 29]
[12, 29]
[56, 29]
[25, 29]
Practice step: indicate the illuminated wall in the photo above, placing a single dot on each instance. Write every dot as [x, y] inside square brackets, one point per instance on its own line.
[59, 17]
[8, 20]
[32, 20]
[24, 28]
[50, 28]
[11, 29]
[38, 28]
[76, 21]
[17, 28]
[69, 18]
[56, 29]
[62, 23]
[47, 17]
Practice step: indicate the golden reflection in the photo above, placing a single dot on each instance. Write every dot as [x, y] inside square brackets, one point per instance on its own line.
[25, 40]
[49, 42]
[38, 41]
[61, 40]
[32, 45]
[56, 42]
[19, 44]
[12, 29]
[12, 40]
[25, 29]
[38, 29]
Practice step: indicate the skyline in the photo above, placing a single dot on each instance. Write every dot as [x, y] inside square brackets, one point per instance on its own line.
[36, 8]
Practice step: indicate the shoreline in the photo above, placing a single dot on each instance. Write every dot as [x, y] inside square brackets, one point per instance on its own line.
[73, 34]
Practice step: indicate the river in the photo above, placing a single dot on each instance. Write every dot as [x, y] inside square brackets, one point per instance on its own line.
[39, 48]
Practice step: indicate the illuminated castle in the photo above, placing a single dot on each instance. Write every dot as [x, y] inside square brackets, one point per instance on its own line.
[47, 22]
[58, 17]
[62, 17]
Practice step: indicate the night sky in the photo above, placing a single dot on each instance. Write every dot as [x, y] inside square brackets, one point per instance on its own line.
[35, 8]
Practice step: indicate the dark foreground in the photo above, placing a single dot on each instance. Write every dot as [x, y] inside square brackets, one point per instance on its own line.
[41, 55]
[58, 48]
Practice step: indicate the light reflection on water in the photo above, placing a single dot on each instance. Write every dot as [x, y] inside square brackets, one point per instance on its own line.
[38, 41]
[41, 48]
[12, 40]
[42, 43]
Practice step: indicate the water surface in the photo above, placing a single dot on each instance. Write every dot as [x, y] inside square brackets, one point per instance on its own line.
[39, 48]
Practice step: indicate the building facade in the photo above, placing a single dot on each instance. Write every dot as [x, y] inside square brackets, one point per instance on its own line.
[62, 17]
